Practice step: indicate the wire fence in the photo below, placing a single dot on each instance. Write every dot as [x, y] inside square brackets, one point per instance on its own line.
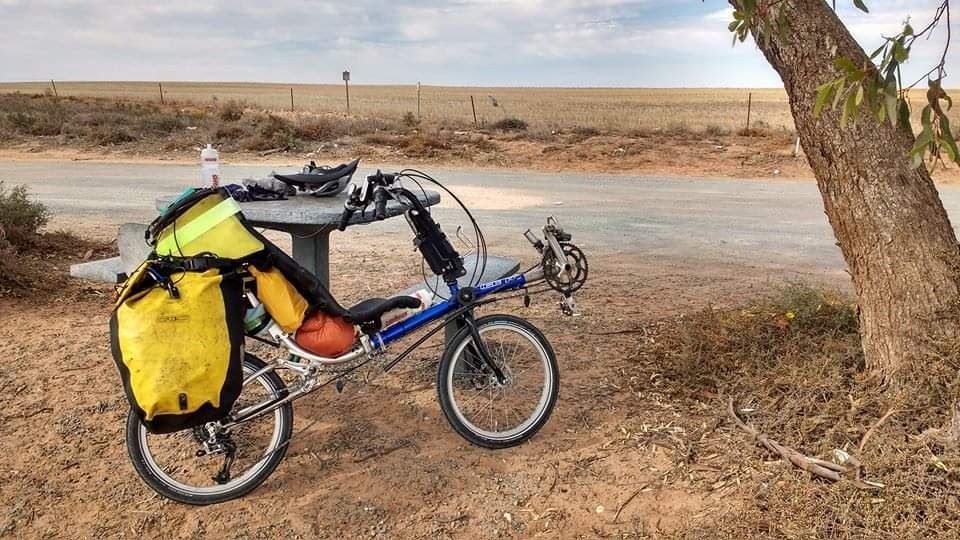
[541, 108]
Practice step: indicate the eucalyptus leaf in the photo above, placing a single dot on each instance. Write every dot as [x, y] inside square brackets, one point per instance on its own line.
[890, 104]
[900, 53]
[846, 64]
[849, 109]
[903, 116]
[916, 159]
[949, 141]
[824, 91]
[841, 85]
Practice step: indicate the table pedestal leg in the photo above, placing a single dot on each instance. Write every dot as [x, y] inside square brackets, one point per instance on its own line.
[312, 251]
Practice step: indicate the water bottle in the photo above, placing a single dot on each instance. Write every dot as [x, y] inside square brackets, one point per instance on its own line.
[256, 321]
[210, 167]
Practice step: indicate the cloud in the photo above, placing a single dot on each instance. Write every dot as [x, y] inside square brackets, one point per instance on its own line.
[523, 42]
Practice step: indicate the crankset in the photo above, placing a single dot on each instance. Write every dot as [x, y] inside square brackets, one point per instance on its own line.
[565, 276]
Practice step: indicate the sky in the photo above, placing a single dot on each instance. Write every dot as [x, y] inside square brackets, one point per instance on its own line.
[629, 43]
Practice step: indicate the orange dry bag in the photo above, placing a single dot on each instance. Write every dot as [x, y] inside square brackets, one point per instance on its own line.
[325, 335]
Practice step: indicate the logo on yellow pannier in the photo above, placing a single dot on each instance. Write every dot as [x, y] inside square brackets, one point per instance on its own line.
[173, 318]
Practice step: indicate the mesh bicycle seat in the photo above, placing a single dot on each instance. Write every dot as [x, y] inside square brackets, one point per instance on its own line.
[371, 309]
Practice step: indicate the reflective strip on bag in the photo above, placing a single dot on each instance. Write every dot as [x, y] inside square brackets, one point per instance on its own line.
[182, 236]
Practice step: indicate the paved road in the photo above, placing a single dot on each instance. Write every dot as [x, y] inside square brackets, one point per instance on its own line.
[770, 225]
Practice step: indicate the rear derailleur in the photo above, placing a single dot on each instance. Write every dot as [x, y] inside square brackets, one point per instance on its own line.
[215, 441]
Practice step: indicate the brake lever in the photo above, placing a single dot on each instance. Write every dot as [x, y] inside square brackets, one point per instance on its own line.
[380, 196]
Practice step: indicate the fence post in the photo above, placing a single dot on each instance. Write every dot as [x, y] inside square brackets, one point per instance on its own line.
[418, 101]
[160, 84]
[474, 107]
[54, 85]
[749, 106]
[346, 85]
[291, 99]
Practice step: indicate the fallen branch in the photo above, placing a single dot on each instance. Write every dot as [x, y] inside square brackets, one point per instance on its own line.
[274, 151]
[814, 466]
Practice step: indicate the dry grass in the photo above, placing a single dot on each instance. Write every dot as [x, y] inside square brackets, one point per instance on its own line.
[32, 261]
[234, 125]
[794, 365]
[620, 109]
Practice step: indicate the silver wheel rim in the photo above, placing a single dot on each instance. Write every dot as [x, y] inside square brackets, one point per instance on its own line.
[548, 383]
[234, 483]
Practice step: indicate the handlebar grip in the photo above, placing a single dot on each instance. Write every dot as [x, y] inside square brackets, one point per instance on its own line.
[380, 204]
[345, 218]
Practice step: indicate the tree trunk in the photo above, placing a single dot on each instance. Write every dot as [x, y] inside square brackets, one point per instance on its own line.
[887, 216]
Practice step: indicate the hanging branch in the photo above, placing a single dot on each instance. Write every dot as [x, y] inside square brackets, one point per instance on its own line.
[876, 89]
[942, 15]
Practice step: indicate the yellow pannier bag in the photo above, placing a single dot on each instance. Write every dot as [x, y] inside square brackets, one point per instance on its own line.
[211, 226]
[283, 302]
[177, 340]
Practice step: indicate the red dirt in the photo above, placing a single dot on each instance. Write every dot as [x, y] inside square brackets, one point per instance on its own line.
[380, 461]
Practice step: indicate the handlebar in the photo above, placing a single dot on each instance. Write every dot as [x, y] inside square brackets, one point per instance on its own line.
[378, 189]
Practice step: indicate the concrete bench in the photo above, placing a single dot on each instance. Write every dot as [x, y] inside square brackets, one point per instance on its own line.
[133, 250]
[496, 268]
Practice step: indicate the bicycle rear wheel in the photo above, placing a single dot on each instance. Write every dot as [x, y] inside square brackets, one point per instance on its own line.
[484, 411]
[171, 465]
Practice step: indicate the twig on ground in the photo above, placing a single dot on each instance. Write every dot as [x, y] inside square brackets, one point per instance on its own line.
[384, 452]
[78, 368]
[855, 463]
[626, 502]
[444, 521]
[418, 388]
[556, 478]
[869, 433]
[641, 330]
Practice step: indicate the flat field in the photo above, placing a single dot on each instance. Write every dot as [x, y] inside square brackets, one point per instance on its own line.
[621, 109]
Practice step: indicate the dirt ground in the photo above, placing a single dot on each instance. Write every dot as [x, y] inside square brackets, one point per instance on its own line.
[656, 155]
[380, 460]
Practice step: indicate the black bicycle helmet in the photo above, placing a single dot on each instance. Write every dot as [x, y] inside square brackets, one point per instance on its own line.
[321, 181]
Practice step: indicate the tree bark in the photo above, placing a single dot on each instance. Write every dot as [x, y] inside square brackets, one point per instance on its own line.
[887, 216]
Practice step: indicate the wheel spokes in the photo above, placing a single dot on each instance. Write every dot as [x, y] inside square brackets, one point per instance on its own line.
[494, 409]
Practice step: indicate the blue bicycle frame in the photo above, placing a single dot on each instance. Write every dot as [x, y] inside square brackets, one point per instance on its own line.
[439, 310]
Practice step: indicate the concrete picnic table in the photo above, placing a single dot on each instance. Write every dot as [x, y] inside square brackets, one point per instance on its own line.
[309, 221]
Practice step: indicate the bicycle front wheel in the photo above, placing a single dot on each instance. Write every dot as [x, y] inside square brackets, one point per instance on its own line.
[186, 467]
[480, 408]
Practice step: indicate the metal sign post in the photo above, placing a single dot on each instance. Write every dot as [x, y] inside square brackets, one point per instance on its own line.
[346, 85]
